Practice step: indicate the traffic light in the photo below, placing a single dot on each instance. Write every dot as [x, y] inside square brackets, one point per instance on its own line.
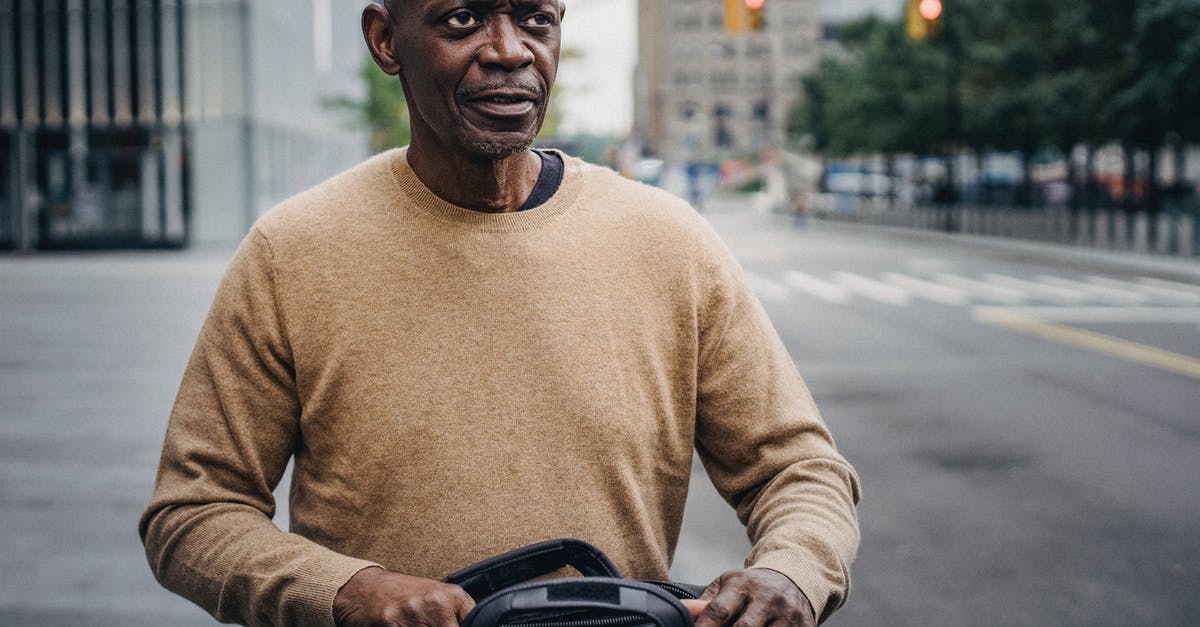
[755, 8]
[743, 15]
[923, 19]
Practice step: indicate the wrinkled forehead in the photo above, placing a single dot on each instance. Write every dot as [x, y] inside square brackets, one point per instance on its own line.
[397, 5]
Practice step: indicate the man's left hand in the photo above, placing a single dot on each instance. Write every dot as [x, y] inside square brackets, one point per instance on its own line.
[751, 598]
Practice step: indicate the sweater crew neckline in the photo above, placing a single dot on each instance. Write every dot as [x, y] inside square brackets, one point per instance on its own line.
[424, 201]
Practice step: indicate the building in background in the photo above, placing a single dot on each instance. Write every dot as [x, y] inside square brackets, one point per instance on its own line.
[704, 93]
[835, 11]
[164, 122]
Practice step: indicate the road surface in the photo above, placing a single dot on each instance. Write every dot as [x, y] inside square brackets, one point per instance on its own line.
[1024, 420]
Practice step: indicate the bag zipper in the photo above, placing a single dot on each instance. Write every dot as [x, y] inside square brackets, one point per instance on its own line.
[678, 591]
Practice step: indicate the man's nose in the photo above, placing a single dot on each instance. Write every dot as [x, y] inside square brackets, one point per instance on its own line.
[505, 47]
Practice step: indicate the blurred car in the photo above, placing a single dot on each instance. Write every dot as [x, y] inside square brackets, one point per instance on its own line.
[848, 190]
[648, 171]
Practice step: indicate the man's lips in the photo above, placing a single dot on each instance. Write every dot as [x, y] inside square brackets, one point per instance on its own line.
[504, 103]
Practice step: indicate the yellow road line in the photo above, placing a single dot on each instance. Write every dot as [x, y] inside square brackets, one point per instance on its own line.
[1099, 343]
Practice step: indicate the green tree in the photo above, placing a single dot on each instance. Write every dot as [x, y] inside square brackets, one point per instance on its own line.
[886, 96]
[1160, 97]
[1014, 97]
[383, 111]
[554, 113]
[807, 126]
[1026, 76]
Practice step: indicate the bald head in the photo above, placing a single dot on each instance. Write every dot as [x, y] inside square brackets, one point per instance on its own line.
[477, 76]
[393, 5]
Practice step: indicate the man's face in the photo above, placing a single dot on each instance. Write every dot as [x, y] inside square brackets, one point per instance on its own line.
[478, 73]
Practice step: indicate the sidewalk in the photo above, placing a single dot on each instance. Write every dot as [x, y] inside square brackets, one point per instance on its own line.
[92, 347]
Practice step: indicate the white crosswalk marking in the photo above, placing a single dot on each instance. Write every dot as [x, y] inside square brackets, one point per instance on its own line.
[895, 288]
[871, 288]
[1084, 315]
[985, 291]
[820, 288]
[1099, 292]
[928, 289]
[1040, 291]
[1171, 285]
[1156, 292]
[767, 289]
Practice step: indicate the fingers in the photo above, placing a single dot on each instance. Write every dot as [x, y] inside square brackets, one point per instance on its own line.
[463, 604]
[442, 606]
[379, 597]
[694, 606]
[725, 603]
[754, 598]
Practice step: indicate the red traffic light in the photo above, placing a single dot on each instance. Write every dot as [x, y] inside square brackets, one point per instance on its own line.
[930, 9]
[755, 5]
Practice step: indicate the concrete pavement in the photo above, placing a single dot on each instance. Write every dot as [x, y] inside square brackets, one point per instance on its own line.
[92, 347]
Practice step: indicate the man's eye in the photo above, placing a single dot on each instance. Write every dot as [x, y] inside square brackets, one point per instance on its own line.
[539, 19]
[462, 19]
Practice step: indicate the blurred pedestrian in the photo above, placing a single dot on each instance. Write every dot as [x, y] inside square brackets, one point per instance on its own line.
[466, 345]
[799, 210]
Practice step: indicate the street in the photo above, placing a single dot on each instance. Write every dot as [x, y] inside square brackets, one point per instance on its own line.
[1008, 477]
[1023, 419]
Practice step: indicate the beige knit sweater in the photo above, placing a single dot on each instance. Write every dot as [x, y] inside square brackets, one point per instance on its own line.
[454, 384]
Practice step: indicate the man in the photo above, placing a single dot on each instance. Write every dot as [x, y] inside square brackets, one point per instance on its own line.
[467, 346]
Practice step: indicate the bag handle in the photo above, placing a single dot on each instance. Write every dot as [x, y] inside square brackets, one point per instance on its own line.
[621, 597]
[491, 575]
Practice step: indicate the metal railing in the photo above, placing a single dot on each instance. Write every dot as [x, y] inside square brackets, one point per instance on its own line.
[1170, 232]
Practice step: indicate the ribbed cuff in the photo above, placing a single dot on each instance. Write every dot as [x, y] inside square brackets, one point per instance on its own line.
[318, 582]
[807, 575]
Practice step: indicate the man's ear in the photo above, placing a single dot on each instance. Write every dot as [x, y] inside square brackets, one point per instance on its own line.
[379, 33]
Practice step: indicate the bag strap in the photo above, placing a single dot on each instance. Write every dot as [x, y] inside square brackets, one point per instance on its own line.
[491, 575]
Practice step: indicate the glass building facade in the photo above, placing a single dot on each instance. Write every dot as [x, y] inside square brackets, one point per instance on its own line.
[155, 123]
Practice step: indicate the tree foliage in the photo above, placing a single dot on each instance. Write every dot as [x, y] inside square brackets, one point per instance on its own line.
[1022, 75]
[383, 112]
[868, 101]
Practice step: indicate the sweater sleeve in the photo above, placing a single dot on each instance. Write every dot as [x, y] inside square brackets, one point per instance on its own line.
[207, 530]
[766, 448]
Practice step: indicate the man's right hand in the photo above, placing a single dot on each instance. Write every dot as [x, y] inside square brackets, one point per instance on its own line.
[376, 597]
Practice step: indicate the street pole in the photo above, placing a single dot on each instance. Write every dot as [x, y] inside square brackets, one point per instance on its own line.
[249, 153]
[953, 108]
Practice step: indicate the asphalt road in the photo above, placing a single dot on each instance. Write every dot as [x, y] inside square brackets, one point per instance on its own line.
[1027, 434]
[1030, 455]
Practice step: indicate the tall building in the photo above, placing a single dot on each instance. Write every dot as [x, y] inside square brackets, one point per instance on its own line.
[163, 122]
[703, 92]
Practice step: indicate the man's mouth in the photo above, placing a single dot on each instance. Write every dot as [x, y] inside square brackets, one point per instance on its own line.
[503, 103]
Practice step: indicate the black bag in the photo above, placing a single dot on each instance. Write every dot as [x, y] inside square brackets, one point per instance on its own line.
[601, 598]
